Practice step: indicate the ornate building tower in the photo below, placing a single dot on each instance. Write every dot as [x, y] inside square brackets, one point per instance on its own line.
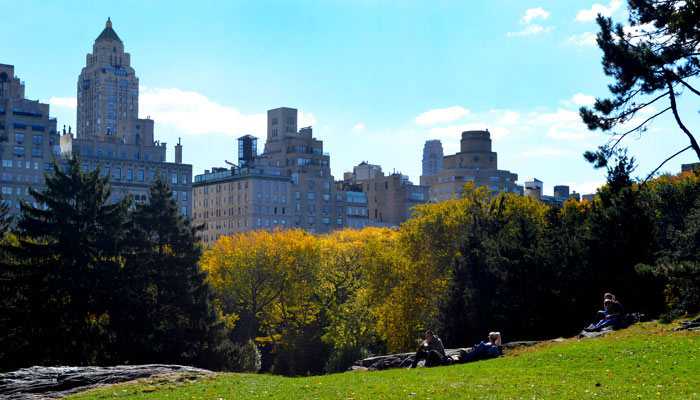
[108, 91]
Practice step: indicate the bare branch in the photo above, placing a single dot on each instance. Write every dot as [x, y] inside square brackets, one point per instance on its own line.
[662, 164]
[637, 127]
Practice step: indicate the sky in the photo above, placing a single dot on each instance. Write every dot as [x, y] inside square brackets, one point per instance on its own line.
[375, 79]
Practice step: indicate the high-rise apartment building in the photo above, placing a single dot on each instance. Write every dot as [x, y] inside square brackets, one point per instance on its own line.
[28, 141]
[390, 199]
[534, 189]
[301, 157]
[476, 163]
[289, 185]
[432, 161]
[112, 137]
[561, 192]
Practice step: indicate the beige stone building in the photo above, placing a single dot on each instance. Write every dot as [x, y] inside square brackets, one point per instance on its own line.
[112, 137]
[390, 198]
[231, 200]
[477, 163]
[289, 185]
[28, 141]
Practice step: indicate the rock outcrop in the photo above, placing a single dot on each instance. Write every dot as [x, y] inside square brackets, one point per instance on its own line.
[40, 383]
[693, 325]
[404, 360]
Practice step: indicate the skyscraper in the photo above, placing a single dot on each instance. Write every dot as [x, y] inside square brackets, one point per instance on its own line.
[108, 90]
[432, 160]
[112, 137]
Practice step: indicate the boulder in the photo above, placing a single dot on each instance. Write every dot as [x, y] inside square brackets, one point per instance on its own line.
[692, 325]
[40, 383]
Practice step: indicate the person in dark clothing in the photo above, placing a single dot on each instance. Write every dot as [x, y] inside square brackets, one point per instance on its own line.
[484, 350]
[431, 350]
[611, 315]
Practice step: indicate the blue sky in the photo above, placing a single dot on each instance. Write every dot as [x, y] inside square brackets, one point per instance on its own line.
[375, 78]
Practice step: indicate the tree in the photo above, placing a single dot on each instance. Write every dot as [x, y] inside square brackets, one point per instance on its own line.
[652, 62]
[68, 255]
[5, 218]
[165, 311]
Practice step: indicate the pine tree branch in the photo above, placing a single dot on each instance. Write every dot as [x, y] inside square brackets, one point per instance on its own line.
[637, 127]
[674, 107]
[664, 162]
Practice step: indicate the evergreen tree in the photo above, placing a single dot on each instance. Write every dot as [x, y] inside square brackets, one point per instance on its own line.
[621, 234]
[68, 256]
[165, 311]
[652, 61]
[5, 218]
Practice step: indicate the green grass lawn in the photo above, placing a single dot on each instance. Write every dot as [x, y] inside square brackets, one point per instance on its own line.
[646, 361]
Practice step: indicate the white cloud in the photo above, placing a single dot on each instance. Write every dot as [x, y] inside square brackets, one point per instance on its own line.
[585, 39]
[562, 124]
[591, 14]
[360, 126]
[529, 28]
[193, 113]
[581, 99]
[442, 115]
[534, 13]
[64, 102]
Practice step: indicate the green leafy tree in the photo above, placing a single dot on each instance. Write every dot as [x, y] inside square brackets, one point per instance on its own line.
[652, 61]
[165, 310]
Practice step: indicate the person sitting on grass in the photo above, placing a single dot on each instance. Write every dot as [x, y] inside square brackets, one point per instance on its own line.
[483, 350]
[431, 350]
[611, 315]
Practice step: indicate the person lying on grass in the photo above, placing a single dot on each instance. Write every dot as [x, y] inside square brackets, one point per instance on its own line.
[483, 350]
[431, 350]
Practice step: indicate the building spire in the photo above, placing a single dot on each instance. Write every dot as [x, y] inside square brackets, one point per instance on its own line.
[108, 33]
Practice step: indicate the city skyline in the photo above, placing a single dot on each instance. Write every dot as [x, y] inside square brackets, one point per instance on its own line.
[329, 69]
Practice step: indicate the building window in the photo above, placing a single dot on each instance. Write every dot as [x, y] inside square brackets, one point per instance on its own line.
[140, 175]
[19, 151]
[117, 173]
[173, 179]
[19, 138]
[311, 196]
[130, 174]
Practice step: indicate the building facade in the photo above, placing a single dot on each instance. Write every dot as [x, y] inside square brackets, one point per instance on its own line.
[29, 142]
[391, 198]
[289, 185]
[476, 163]
[432, 161]
[300, 156]
[112, 137]
[232, 200]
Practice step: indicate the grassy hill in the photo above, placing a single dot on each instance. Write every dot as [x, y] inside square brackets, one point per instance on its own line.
[646, 361]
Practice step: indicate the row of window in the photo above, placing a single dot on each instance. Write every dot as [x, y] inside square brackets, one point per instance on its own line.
[35, 128]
